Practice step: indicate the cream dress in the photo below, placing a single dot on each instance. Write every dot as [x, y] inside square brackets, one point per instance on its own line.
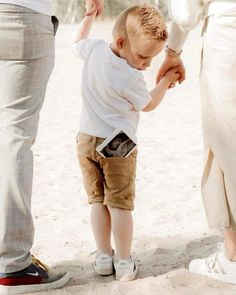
[218, 92]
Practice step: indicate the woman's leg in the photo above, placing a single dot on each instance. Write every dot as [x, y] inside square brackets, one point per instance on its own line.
[219, 129]
[230, 245]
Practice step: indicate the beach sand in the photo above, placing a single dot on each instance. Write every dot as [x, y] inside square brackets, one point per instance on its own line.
[169, 218]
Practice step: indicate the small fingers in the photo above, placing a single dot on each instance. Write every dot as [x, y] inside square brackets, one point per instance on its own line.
[160, 75]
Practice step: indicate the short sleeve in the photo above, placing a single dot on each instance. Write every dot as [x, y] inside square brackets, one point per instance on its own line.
[83, 47]
[137, 93]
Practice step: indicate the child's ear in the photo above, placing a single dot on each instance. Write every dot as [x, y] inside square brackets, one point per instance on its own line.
[120, 42]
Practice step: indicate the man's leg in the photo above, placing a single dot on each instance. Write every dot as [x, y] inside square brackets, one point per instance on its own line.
[22, 93]
[26, 62]
[23, 82]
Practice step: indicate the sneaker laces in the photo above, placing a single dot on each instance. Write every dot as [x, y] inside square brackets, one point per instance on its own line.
[40, 264]
[211, 260]
[96, 252]
[92, 254]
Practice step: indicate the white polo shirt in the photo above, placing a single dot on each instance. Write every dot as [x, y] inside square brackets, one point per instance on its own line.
[113, 92]
[42, 6]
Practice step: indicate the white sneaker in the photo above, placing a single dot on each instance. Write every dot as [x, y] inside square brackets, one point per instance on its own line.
[126, 270]
[216, 266]
[104, 264]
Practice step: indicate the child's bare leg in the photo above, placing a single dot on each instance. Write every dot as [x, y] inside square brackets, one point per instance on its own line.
[122, 229]
[101, 225]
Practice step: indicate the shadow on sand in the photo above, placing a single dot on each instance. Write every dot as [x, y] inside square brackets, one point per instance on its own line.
[152, 262]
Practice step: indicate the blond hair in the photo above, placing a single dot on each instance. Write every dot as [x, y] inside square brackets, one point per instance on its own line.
[141, 20]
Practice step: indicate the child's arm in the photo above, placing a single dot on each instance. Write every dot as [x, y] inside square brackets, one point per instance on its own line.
[98, 5]
[159, 91]
[85, 25]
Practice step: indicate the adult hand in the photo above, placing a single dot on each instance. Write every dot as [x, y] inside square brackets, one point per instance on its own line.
[94, 6]
[169, 63]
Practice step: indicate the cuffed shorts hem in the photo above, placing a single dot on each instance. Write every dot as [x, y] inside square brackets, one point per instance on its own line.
[125, 206]
[97, 199]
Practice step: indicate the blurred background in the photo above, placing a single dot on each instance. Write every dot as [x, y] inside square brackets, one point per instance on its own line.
[71, 11]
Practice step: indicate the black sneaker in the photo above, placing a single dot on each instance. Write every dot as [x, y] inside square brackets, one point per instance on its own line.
[36, 277]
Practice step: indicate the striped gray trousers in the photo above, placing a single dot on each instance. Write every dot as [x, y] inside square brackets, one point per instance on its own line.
[26, 63]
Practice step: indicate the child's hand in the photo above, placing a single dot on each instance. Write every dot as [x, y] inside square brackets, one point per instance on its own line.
[172, 76]
[90, 8]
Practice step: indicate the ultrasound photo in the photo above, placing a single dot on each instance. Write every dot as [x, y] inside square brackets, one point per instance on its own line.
[121, 145]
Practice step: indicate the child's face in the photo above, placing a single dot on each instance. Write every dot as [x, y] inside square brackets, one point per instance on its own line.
[139, 52]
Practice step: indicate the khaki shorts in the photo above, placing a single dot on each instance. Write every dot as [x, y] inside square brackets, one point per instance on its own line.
[110, 181]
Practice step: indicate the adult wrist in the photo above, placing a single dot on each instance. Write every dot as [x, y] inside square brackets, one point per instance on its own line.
[171, 52]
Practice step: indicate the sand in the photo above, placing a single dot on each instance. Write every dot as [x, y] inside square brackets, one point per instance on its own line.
[169, 218]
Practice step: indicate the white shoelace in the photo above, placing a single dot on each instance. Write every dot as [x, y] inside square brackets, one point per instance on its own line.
[212, 262]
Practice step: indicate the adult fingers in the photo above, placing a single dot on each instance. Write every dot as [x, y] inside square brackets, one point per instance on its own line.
[91, 11]
[182, 75]
[100, 10]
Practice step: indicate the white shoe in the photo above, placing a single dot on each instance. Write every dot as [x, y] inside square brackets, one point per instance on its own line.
[104, 264]
[216, 266]
[126, 270]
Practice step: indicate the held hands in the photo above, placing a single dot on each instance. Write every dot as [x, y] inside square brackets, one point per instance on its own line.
[170, 63]
[172, 76]
[94, 7]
